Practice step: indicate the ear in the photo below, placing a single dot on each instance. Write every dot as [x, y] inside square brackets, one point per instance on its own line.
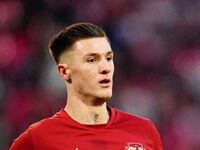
[65, 72]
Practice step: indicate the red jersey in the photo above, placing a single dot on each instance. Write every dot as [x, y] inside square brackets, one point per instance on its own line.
[61, 132]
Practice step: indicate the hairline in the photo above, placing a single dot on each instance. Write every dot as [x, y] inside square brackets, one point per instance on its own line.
[71, 50]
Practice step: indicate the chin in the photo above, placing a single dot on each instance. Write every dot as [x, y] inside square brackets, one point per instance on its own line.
[103, 98]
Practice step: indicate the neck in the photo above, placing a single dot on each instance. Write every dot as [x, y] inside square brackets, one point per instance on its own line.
[87, 114]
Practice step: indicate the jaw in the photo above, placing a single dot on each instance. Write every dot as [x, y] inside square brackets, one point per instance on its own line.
[92, 95]
[98, 98]
[100, 101]
[104, 94]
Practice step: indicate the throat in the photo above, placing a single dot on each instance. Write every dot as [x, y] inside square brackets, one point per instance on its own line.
[96, 116]
[88, 114]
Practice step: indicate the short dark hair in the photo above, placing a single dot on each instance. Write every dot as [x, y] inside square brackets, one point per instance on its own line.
[70, 34]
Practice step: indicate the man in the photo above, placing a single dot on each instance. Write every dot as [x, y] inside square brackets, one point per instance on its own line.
[85, 61]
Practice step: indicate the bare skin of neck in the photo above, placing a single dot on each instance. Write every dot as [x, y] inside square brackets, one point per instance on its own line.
[87, 114]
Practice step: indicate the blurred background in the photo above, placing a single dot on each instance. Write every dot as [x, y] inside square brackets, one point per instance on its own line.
[157, 62]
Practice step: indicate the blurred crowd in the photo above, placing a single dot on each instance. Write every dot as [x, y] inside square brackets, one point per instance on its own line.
[157, 62]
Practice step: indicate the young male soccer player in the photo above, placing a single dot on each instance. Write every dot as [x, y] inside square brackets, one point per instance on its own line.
[85, 61]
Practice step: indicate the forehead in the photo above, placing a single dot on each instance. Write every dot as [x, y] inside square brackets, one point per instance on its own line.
[92, 45]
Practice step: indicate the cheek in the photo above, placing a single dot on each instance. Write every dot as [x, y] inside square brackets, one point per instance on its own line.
[84, 81]
[83, 76]
[89, 77]
[112, 69]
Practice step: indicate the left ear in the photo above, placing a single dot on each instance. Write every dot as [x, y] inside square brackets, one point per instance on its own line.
[64, 72]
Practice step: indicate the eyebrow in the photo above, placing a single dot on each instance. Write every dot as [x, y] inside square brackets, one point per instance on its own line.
[94, 54]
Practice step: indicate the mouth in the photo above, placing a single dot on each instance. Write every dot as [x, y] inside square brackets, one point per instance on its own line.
[105, 82]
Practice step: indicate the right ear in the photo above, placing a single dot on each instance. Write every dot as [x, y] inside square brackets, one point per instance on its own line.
[64, 71]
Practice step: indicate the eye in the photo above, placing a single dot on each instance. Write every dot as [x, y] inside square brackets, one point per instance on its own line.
[91, 60]
[109, 58]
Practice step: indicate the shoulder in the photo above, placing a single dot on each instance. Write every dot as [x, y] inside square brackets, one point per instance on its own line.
[38, 131]
[47, 123]
[127, 116]
[23, 142]
[135, 124]
[133, 121]
[141, 127]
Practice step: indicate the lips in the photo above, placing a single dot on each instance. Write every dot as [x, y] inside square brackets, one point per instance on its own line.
[105, 82]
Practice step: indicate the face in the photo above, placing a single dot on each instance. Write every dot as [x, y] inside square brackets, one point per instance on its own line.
[92, 68]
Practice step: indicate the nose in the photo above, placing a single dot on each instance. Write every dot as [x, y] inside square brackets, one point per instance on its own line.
[105, 67]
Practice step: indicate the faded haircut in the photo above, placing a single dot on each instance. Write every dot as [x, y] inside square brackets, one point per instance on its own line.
[70, 34]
